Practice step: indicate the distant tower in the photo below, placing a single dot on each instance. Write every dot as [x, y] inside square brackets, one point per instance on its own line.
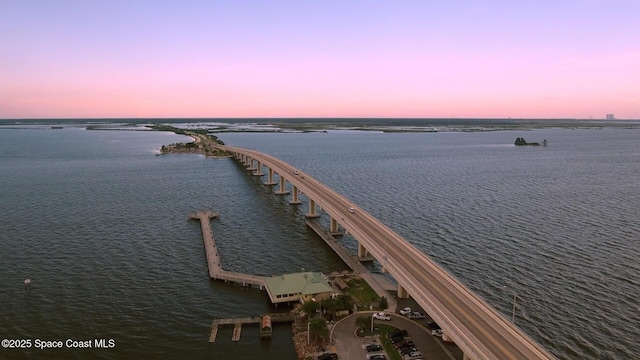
[610, 117]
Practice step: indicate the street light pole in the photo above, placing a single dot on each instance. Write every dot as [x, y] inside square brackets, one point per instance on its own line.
[308, 333]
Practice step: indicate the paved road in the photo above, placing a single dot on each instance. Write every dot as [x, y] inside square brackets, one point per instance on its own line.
[478, 329]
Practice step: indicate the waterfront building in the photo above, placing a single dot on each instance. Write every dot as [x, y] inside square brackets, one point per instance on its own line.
[297, 287]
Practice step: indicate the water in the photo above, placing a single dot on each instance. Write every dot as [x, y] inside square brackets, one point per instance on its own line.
[99, 225]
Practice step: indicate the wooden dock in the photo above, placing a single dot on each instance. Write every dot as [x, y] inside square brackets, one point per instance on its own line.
[213, 258]
[238, 322]
[236, 332]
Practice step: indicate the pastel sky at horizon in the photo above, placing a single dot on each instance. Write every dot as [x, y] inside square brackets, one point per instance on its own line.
[423, 59]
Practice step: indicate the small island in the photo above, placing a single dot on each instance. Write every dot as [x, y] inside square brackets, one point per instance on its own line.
[522, 142]
[203, 143]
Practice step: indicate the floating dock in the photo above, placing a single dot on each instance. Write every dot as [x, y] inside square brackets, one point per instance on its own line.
[255, 320]
[213, 259]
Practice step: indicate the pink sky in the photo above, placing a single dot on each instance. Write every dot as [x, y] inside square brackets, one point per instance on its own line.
[532, 59]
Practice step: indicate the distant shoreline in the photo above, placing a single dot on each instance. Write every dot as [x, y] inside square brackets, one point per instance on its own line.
[284, 125]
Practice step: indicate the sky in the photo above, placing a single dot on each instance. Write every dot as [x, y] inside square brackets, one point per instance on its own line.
[270, 59]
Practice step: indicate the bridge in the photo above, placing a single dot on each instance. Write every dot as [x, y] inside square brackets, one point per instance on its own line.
[467, 319]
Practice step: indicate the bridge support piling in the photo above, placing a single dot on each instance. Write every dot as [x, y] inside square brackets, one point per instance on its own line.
[294, 199]
[251, 167]
[312, 209]
[258, 171]
[270, 178]
[362, 251]
[282, 190]
[402, 292]
[333, 228]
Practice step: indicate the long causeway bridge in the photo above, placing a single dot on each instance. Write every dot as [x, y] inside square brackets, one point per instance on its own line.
[468, 320]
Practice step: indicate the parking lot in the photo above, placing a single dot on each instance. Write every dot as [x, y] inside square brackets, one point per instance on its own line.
[351, 347]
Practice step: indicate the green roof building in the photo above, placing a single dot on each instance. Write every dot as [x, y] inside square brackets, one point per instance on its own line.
[297, 287]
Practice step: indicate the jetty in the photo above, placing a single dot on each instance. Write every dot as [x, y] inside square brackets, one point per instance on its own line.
[254, 320]
[216, 271]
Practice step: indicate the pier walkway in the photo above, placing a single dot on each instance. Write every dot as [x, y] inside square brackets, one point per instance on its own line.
[213, 259]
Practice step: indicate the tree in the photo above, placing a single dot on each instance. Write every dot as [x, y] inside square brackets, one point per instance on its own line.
[344, 302]
[318, 327]
[383, 303]
[310, 307]
[330, 306]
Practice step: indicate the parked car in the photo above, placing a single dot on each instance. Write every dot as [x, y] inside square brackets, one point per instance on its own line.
[415, 315]
[373, 347]
[432, 325]
[396, 333]
[406, 343]
[406, 311]
[413, 355]
[381, 316]
[408, 350]
[328, 356]
[377, 357]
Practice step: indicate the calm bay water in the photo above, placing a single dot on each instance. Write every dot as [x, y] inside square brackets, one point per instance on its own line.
[100, 226]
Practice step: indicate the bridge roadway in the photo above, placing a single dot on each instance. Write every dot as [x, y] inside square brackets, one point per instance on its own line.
[468, 320]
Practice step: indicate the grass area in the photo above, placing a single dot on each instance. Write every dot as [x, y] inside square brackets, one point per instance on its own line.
[386, 343]
[362, 293]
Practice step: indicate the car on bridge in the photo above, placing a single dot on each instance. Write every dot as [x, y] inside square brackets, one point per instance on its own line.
[296, 172]
[351, 210]
[381, 316]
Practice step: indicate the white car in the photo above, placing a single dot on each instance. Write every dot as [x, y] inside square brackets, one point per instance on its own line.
[406, 311]
[351, 210]
[437, 332]
[415, 315]
[381, 316]
[295, 172]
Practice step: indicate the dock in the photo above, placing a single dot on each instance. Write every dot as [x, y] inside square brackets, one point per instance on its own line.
[216, 271]
[238, 322]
